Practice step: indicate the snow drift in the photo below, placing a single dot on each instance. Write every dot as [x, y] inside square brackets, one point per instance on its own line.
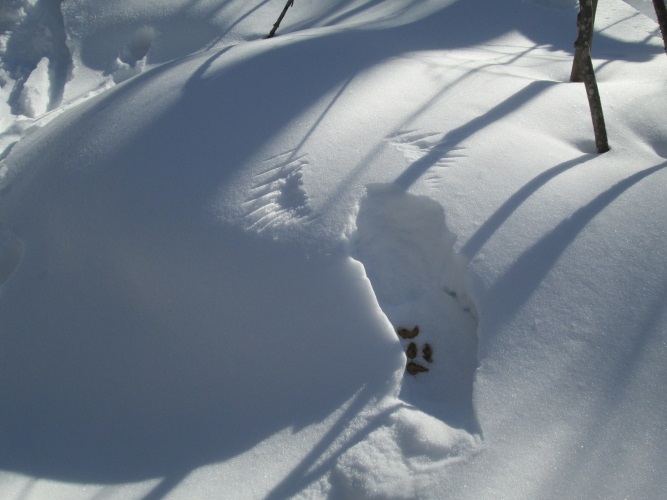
[207, 250]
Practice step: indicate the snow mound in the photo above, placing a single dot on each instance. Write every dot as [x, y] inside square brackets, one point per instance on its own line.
[395, 459]
[181, 315]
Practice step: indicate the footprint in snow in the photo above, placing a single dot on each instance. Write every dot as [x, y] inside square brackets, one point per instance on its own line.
[412, 367]
[407, 252]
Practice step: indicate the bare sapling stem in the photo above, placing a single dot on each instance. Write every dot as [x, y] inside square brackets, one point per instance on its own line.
[289, 4]
[586, 72]
[661, 14]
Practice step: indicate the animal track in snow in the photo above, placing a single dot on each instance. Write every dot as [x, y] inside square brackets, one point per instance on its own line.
[131, 60]
[11, 252]
[413, 366]
[407, 252]
[278, 196]
[35, 56]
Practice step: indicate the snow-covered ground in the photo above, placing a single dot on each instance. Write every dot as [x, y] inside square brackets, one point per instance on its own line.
[376, 256]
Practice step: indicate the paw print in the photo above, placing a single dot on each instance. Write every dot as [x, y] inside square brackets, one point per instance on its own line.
[411, 351]
[404, 333]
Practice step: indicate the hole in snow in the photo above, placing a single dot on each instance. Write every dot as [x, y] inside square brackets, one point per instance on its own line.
[140, 43]
[407, 252]
[660, 148]
[586, 146]
[131, 60]
[406, 249]
[34, 41]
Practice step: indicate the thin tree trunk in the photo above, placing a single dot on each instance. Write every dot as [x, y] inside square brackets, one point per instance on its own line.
[661, 14]
[587, 73]
[289, 4]
[599, 128]
[578, 63]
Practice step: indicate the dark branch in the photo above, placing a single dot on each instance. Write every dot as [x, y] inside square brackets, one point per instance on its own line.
[289, 4]
[587, 73]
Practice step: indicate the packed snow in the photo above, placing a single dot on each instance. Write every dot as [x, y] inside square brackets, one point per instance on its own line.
[376, 256]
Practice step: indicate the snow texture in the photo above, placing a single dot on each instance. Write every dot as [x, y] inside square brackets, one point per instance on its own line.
[376, 256]
[34, 99]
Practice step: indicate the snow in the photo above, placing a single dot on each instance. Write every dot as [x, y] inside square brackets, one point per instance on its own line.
[214, 247]
[644, 6]
[34, 99]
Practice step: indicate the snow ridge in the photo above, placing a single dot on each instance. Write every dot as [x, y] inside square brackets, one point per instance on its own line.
[278, 196]
[417, 146]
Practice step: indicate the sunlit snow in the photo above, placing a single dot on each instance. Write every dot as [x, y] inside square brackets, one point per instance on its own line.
[376, 256]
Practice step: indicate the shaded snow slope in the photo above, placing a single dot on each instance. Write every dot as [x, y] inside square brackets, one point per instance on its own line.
[203, 269]
[93, 45]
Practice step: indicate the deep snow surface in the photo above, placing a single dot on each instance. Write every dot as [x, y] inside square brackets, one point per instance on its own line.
[208, 242]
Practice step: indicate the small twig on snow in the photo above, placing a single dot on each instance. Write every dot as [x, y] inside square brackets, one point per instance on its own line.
[289, 4]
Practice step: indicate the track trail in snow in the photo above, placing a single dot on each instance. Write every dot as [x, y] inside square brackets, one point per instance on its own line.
[35, 66]
[35, 55]
[407, 251]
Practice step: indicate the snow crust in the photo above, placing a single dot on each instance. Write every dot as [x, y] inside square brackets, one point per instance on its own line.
[212, 246]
